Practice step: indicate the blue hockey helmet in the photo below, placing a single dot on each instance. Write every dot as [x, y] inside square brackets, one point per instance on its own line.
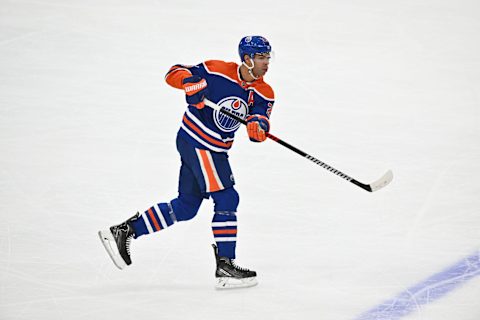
[252, 45]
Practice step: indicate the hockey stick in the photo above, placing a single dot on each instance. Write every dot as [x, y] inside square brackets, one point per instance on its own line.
[374, 186]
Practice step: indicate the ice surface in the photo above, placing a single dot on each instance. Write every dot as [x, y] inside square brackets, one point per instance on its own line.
[87, 129]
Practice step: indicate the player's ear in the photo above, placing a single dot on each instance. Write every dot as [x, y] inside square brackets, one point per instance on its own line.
[248, 60]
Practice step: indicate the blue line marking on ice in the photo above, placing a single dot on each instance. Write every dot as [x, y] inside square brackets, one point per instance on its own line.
[426, 291]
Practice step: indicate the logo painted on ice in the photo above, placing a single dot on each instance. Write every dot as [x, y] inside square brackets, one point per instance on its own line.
[234, 105]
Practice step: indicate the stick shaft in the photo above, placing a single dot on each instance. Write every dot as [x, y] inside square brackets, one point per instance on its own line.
[294, 149]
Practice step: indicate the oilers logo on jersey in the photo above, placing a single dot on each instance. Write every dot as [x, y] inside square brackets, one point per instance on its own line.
[234, 105]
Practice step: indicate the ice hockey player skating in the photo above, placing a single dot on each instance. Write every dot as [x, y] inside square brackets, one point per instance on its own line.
[203, 141]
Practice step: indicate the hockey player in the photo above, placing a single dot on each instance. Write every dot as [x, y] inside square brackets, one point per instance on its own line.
[203, 140]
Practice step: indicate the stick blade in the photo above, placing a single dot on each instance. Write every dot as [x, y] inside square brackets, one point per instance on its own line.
[382, 182]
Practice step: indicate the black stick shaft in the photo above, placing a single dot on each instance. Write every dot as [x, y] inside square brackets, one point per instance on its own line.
[304, 154]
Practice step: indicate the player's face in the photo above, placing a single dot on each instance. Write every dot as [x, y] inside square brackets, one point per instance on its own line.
[261, 64]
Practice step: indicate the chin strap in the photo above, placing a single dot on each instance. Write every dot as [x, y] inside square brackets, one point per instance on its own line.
[250, 72]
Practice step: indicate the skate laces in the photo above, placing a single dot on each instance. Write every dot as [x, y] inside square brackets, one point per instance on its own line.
[236, 266]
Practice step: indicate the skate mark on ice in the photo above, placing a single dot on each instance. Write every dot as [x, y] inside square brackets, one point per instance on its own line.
[426, 291]
[421, 214]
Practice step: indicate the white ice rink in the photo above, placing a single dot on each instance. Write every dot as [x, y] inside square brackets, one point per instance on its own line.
[87, 138]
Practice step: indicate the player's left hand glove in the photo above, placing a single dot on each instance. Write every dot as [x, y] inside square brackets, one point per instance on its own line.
[257, 127]
[196, 90]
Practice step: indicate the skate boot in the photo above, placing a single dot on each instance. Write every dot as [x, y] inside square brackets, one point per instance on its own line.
[230, 276]
[116, 241]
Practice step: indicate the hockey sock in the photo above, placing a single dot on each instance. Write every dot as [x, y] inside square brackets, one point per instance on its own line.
[224, 227]
[156, 218]
[163, 215]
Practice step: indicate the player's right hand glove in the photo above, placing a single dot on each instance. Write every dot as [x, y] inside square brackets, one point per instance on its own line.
[257, 127]
[196, 90]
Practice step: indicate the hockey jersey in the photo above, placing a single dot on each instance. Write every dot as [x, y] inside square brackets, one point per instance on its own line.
[212, 130]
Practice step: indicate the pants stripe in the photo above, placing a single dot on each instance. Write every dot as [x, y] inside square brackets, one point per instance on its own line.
[210, 174]
[214, 171]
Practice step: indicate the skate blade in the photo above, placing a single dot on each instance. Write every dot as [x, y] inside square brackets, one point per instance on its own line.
[109, 243]
[233, 283]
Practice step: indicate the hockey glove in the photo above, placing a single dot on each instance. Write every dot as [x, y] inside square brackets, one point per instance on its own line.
[196, 90]
[257, 126]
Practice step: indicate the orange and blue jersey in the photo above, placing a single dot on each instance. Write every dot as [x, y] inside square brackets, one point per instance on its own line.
[207, 128]
[203, 140]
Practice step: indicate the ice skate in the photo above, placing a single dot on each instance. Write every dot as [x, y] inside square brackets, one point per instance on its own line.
[116, 241]
[229, 276]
